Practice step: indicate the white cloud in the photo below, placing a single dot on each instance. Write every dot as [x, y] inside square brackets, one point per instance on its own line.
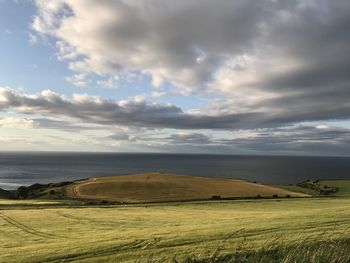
[183, 43]
[15, 122]
[158, 94]
[260, 64]
[79, 79]
[248, 51]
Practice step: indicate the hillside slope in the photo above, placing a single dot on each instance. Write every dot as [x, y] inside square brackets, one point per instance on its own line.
[343, 186]
[155, 187]
[5, 194]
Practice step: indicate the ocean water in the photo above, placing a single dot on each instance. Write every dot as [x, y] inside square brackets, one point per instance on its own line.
[18, 169]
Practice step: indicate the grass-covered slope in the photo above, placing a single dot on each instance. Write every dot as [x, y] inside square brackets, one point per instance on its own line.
[191, 230]
[155, 187]
[4, 194]
[343, 186]
[299, 189]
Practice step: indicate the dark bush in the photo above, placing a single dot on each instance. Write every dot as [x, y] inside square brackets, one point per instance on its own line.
[216, 197]
[52, 192]
[22, 192]
[60, 184]
[36, 186]
[288, 196]
[275, 196]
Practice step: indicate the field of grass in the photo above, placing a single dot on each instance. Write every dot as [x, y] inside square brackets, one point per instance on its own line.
[211, 231]
[298, 189]
[155, 187]
[342, 185]
[10, 202]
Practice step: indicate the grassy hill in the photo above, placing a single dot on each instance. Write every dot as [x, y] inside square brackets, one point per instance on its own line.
[156, 187]
[5, 194]
[343, 186]
[298, 189]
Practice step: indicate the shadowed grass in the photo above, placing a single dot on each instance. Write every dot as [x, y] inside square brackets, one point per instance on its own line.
[334, 251]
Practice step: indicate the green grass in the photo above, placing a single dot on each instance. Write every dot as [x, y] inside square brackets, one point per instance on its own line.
[295, 188]
[343, 186]
[173, 231]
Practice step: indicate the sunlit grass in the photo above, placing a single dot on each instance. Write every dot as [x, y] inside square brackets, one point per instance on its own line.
[167, 231]
[27, 202]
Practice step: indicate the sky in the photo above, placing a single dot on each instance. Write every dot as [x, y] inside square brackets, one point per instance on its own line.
[187, 76]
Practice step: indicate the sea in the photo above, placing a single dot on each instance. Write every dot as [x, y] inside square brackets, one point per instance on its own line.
[19, 168]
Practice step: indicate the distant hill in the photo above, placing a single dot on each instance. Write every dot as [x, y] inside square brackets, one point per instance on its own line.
[157, 187]
[5, 194]
[342, 186]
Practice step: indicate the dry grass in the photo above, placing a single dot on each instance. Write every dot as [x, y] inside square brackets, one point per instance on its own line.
[154, 187]
[164, 232]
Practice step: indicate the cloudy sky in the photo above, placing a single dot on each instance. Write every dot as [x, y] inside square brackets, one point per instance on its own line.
[196, 76]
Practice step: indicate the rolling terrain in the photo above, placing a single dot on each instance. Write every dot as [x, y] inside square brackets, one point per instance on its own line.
[255, 230]
[161, 187]
[295, 230]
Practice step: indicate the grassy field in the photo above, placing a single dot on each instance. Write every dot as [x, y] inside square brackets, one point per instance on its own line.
[342, 185]
[155, 187]
[298, 189]
[216, 231]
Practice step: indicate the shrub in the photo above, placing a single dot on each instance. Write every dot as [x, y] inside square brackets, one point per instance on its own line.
[36, 186]
[22, 192]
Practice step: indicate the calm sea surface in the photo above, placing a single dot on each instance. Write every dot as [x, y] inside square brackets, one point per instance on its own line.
[27, 168]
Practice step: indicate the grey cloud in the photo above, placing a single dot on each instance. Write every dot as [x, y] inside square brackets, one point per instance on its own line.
[317, 36]
[120, 137]
[188, 138]
[47, 123]
[295, 68]
[296, 140]
[94, 110]
[131, 113]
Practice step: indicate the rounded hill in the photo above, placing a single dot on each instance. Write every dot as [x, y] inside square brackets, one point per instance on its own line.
[162, 187]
